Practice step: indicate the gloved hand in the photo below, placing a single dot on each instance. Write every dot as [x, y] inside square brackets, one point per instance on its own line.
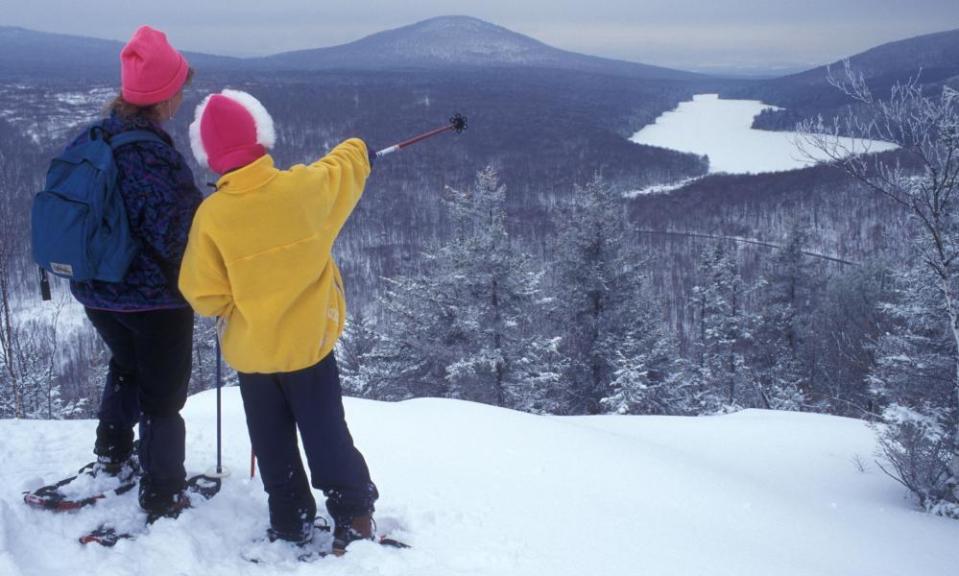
[372, 155]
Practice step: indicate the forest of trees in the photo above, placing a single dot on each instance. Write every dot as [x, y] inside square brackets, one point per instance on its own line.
[575, 299]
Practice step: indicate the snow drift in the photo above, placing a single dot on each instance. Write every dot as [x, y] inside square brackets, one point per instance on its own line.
[484, 491]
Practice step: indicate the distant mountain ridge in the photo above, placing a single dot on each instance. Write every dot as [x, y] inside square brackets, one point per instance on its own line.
[32, 53]
[931, 59]
[935, 57]
[442, 42]
[458, 41]
[463, 41]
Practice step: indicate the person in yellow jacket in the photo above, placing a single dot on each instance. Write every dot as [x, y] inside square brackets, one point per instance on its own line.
[259, 258]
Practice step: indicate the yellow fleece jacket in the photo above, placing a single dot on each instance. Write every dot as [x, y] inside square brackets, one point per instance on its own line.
[259, 257]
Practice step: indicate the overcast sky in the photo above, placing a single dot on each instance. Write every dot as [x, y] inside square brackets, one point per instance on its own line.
[688, 34]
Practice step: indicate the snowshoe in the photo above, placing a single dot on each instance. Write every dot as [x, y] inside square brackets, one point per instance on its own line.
[322, 543]
[89, 485]
[360, 528]
[198, 488]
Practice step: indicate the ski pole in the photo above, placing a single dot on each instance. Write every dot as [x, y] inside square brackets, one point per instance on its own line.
[210, 483]
[219, 411]
[457, 124]
[219, 472]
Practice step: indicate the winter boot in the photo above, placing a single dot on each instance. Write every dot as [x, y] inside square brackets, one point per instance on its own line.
[124, 470]
[125, 467]
[170, 508]
[158, 505]
[359, 528]
[300, 539]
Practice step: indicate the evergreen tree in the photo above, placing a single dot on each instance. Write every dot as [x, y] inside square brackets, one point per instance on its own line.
[649, 376]
[782, 366]
[847, 323]
[418, 337]
[723, 333]
[543, 368]
[598, 292]
[465, 326]
[353, 352]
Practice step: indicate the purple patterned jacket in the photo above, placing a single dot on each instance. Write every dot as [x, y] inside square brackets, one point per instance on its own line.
[160, 198]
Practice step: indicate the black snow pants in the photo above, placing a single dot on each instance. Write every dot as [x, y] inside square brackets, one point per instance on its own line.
[147, 382]
[310, 400]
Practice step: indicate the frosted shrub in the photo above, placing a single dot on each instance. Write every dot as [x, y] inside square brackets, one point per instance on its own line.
[917, 446]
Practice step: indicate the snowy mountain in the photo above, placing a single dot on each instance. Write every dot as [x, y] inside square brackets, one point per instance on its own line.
[484, 491]
[458, 41]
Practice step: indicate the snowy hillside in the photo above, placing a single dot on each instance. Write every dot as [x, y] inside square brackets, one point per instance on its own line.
[483, 491]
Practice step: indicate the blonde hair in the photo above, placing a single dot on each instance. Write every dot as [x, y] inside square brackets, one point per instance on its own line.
[126, 110]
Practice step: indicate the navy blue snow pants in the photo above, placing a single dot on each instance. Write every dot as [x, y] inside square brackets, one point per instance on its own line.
[147, 382]
[310, 400]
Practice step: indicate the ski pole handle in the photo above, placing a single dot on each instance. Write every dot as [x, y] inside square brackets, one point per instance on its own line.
[457, 124]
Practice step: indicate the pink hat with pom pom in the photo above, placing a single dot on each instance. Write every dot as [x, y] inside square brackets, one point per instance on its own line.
[230, 130]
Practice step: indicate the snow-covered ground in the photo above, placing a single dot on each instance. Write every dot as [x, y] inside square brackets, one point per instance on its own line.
[721, 129]
[660, 188]
[49, 118]
[483, 491]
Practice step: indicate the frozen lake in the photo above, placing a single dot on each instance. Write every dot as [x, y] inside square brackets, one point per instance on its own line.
[721, 130]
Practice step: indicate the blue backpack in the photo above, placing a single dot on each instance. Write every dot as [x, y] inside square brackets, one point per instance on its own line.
[79, 223]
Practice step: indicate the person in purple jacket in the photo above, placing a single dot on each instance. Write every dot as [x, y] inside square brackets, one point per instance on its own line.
[144, 320]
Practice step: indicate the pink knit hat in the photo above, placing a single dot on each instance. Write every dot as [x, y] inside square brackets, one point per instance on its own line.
[151, 70]
[230, 130]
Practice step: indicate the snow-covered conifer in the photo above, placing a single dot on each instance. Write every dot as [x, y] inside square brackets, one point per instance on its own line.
[597, 281]
[464, 326]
